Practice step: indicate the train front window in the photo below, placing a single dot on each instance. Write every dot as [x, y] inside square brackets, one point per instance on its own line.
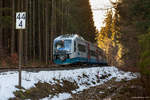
[59, 45]
[63, 45]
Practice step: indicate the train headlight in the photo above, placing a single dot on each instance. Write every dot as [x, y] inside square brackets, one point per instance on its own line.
[62, 58]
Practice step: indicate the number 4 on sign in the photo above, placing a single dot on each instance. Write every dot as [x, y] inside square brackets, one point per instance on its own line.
[20, 24]
[23, 16]
[18, 17]
[20, 20]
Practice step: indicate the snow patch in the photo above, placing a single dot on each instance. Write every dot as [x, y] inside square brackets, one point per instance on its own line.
[85, 78]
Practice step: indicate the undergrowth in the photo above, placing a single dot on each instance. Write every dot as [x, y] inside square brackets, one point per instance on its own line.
[42, 90]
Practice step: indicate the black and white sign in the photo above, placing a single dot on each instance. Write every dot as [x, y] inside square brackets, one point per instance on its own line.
[20, 20]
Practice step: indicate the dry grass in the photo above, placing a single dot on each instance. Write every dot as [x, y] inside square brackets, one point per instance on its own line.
[113, 90]
[42, 90]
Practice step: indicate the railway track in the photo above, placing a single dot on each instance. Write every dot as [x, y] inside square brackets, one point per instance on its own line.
[48, 68]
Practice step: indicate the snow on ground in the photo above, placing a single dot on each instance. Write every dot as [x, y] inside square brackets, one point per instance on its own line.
[8, 80]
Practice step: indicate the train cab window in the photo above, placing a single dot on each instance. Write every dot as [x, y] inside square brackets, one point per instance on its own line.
[59, 44]
[74, 46]
[81, 48]
[63, 45]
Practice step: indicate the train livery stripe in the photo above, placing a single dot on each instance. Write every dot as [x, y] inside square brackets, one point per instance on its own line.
[75, 60]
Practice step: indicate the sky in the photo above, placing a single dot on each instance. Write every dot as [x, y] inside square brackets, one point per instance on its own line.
[99, 15]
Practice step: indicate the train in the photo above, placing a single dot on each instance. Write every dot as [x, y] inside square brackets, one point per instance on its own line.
[74, 49]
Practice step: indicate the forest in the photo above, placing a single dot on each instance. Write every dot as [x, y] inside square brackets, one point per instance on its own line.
[125, 37]
[45, 20]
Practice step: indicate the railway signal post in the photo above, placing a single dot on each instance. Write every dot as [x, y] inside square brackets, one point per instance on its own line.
[20, 25]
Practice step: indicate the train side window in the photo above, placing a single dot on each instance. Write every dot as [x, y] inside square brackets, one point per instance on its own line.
[93, 53]
[74, 46]
[81, 48]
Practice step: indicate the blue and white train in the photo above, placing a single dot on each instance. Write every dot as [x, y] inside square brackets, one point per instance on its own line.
[72, 49]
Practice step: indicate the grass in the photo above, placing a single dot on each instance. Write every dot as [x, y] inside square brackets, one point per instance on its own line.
[42, 90]
[123, 90]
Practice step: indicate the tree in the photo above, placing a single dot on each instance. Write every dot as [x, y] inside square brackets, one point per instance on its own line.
[26, 33]
[46, 19]
[1, 33]
[46, 33]
[33, 28]
[13, 28]
[39, 30]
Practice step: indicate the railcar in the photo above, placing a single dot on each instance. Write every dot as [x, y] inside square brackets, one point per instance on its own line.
[72, 49]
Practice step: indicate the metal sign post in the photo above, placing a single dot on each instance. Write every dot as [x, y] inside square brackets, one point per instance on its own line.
[20, 25]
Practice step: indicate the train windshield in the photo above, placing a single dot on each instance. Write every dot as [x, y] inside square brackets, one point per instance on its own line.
[63, 45]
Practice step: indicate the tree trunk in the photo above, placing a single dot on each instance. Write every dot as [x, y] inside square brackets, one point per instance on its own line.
[39, 30]
[13, 27]
[33, 29]
[62, 23]
[43, 32]
[46, 35]
[1, 32]
[52, 29]
[55, 14]
[26, 34]
[30, 30]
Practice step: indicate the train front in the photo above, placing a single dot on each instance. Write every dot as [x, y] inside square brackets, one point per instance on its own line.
[62, 49]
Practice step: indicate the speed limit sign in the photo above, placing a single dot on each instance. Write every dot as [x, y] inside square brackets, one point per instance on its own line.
[20, 20]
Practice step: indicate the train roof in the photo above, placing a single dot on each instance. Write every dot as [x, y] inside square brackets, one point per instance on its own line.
[69, 36]
[74, 36]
